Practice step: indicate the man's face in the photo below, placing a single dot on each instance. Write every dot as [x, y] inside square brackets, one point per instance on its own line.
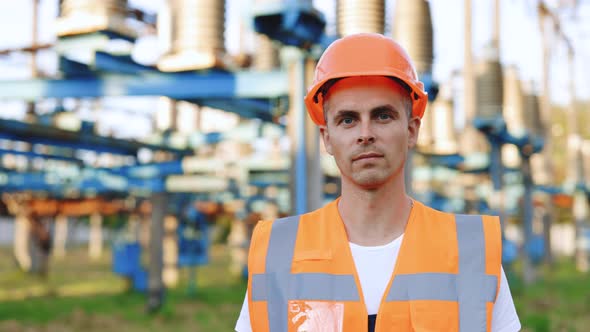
[367, 129]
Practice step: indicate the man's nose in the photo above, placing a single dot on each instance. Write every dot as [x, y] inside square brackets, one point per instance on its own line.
[366, 135]
[366, 139]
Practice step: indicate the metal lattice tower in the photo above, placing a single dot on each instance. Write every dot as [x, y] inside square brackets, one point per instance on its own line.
[412, 28]
[356, 16]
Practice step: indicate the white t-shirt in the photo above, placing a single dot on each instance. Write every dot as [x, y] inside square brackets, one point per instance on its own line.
[375, 265]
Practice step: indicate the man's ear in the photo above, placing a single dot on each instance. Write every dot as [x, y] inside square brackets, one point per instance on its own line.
[413, 131]
[326, 138]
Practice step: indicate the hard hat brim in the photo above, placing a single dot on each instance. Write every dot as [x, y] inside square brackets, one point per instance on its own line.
[314, 102]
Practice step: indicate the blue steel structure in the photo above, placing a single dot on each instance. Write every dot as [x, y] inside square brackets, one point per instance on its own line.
[32, 154]
[301, 154]
[193, 245]
[260, 95]
[296, 23]
[497, 134]
[121, 77]
[535, 246]
[127, 263]
[291, 22]
[47, 135]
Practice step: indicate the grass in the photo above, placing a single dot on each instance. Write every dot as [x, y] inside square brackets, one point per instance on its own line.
[103, 303]
[559, 301]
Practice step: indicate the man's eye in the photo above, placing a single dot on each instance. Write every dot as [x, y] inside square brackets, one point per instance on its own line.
[384, 116]
[347, 120]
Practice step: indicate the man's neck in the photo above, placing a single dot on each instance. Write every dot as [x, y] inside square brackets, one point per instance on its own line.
[374, 217]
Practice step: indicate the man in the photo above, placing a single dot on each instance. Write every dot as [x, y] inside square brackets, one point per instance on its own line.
[374, 259]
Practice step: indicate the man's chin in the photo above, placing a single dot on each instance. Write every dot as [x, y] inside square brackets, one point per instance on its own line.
[370, 181]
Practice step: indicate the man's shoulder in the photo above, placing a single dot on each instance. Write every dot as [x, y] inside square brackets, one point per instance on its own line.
[263, 226]
[328, 210]
[431, 210]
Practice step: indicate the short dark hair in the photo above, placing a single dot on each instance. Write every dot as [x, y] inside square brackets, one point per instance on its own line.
[323, 91]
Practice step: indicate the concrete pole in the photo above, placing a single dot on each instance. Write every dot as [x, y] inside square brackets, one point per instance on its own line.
[496, 33]
[155, 284]
[95, 238]
[307, 179]
[133, 224]
[315, 175]
[471, 140]
[580, 210]
[144, 231]
[60, 236]
[581, 214]
[170, 252]
[529, 274]
[546, 217]
[545, 107]
[173, 115]
[31, 115]
[34, 38]
[237, 242]
[37, 259]
[496, 174]
[469, 82]
[21, 242]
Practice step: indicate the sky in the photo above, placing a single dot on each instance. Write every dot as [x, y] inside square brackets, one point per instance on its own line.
[520, 38]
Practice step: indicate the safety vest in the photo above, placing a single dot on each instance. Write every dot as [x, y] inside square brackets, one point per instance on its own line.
[302, 277]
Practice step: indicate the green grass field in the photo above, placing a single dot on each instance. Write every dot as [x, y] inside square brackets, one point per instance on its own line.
[81, 295]
[558, 301]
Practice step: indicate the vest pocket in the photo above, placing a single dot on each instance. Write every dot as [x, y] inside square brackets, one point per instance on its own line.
[315, 316]
[434, 315]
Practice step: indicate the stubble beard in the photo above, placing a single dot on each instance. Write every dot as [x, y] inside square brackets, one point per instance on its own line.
[375, 176]
[370, 177]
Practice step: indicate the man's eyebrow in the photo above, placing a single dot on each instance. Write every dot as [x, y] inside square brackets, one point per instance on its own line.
[382, 108]
[346, 113]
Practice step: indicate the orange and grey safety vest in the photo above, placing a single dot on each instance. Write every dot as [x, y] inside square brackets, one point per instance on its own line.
[302, 275]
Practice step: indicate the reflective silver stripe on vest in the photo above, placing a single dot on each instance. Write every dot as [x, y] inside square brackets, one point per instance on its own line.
[474, 286]
[423, 286]
[306, 286]
[277, 286]
[471, 287]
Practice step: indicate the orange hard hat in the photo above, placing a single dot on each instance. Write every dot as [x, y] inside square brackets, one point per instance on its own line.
[364, 54]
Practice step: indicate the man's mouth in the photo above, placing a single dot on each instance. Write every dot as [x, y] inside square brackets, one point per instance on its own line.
[368, 155]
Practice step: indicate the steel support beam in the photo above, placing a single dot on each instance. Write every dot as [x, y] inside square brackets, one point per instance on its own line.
[156, 264]
[40, 134]
[306, 173]
[30, 154]
[190, 85]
